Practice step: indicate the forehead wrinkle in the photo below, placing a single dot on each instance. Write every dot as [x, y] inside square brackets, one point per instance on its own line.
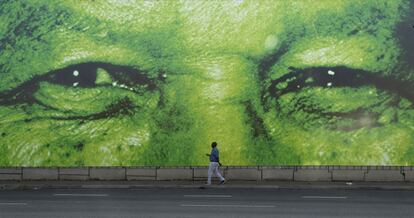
[358, 17]
[146, 26]
[133, 15]
[230, 26]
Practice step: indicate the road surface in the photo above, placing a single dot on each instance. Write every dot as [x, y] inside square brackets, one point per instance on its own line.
[209, 203]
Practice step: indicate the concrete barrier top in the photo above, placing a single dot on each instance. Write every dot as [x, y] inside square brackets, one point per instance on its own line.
[384, 167]
[287, 173]
[348, 167]
[312, 167]
[230, 166]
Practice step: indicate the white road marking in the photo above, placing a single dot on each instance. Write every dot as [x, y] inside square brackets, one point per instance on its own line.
[208, 196]
[227, 205]
[82, 195]
[325, 197]
[12, 203]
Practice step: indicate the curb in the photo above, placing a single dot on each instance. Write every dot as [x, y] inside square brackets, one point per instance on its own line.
[284, 186]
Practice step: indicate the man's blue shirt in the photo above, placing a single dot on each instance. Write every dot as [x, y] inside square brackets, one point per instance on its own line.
[214, 156]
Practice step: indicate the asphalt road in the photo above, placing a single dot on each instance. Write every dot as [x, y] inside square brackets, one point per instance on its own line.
[211, 203]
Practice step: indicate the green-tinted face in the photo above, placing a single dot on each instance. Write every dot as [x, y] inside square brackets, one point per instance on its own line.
[155, 82]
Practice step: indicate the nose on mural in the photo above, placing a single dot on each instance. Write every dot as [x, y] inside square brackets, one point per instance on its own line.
[221, 95]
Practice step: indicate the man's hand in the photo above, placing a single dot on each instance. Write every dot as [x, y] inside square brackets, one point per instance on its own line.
[219, 163]
[208, 155]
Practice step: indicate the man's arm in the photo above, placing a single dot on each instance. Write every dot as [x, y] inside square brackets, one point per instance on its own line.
[218, 158]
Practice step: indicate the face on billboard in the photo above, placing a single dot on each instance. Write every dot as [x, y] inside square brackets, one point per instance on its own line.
[154, 82]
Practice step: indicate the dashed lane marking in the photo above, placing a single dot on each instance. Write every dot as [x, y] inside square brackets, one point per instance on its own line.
[325, 197]
[227, 205]
[208, 196]
[81, 195]
[12, 203]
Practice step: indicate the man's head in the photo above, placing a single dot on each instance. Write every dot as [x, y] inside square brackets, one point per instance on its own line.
[214, 144]
[149, 82]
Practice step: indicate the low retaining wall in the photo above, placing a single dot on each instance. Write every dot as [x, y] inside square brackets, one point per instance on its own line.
[258, 173]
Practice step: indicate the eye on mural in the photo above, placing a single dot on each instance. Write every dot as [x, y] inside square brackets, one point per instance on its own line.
[133, 83]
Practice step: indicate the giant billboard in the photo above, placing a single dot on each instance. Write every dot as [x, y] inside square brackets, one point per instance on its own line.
[274, 82]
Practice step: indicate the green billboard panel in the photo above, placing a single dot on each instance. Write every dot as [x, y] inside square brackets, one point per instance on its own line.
[131, 83]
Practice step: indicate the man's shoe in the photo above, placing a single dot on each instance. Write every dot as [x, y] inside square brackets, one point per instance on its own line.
[222, 182]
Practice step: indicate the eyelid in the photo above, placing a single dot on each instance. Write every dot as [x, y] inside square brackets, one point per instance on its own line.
[343, 77]
[23, 93]
[117, 72]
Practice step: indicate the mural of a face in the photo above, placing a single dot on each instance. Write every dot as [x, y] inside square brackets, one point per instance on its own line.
[286, 82]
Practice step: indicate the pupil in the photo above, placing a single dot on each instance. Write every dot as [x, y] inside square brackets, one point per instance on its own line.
[77, 76]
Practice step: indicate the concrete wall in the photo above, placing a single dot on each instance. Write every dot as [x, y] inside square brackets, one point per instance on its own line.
[175, 173]
[259, 173]
[73, 173]
[141, 173]
[243, 173]
[348, 174]
[107, 173]
[312, 174]
[384, 174]
[11, 174]
[40, 174]
[408, 173]
[277, 173]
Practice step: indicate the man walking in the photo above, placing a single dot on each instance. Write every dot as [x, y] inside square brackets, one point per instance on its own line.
[214, 164]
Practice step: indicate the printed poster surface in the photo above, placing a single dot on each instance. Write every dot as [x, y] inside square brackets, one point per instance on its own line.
[153, 83]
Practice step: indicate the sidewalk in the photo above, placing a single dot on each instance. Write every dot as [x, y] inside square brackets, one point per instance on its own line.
[33, 185]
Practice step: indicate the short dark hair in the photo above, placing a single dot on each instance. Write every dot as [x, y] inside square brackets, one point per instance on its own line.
[213, 144]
